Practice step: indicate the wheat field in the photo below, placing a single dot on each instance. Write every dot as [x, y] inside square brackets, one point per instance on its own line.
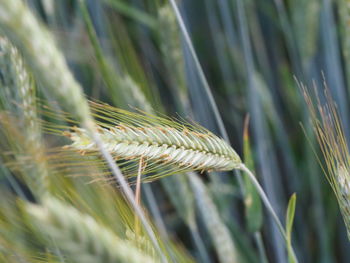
[174, 131]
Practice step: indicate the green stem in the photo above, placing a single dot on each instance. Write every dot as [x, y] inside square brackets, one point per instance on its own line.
[199, 68]
[261, 248]
[269, 207]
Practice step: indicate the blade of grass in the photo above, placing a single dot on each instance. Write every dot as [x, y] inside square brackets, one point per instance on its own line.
[253, 209]
[289, 225]
[132, 12]
[201, 74]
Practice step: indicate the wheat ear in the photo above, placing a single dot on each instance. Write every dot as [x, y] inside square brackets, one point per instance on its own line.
[42, 55]
[185, 149]
[19, 98]
[330, 135]
[342, 188]
[80, 236]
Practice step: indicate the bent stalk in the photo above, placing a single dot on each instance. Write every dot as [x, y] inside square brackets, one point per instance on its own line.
[268, 205]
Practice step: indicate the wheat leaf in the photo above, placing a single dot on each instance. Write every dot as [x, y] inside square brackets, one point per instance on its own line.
[289, 224]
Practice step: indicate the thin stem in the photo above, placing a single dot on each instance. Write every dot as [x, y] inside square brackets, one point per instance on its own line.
[198, 242]
[268, 205]
[265, 199]
[126, 189]
[200, 71]
[138, 194]
[138, 181]
[261, 247]
[157, 216]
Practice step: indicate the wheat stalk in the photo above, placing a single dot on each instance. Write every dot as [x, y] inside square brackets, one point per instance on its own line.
[80, 236]
[202, 78]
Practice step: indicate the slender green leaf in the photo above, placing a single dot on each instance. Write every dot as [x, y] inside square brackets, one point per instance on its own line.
[289, 225]
[132, 12]
[253, 208]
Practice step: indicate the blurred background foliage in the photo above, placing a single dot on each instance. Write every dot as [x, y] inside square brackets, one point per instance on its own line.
[132, 54]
